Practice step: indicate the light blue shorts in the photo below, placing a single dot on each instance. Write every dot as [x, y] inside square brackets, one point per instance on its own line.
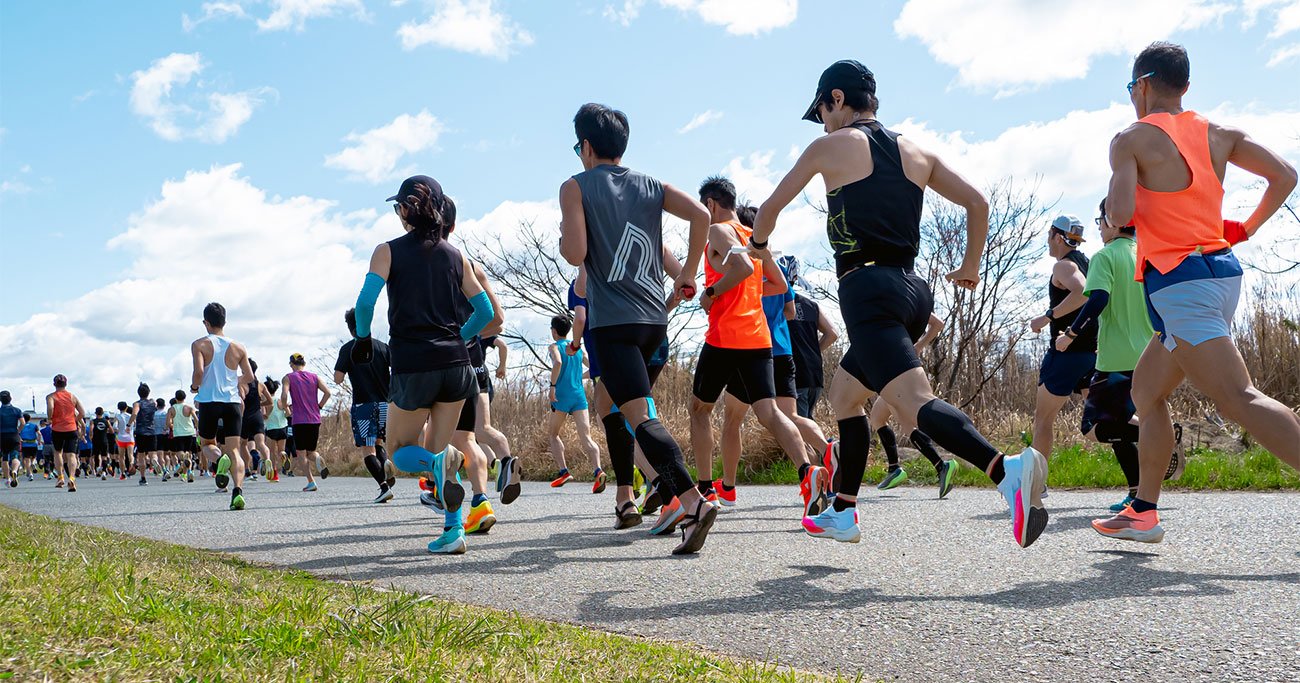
[1196, 301]
[569, 404]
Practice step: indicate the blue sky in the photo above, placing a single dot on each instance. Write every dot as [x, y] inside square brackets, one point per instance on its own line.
[120, 202]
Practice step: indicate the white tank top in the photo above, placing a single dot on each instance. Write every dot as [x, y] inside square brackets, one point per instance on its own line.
[220, 383]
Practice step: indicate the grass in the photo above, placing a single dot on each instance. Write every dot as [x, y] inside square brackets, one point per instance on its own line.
[85, 604]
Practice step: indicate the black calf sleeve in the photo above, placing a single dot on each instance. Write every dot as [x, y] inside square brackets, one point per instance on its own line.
[664, 455]
[621, 448]
[926, 446]
[1111, 433]
[952, 429]
[376, 469]
[890, 443]
[1126, 452]
[855, 442]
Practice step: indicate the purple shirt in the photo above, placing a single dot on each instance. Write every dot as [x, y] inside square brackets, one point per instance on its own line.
[302, 393]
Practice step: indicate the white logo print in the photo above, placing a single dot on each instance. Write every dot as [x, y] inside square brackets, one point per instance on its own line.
[643, 270]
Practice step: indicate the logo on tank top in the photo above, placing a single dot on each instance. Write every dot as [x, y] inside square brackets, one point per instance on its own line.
[636, 239]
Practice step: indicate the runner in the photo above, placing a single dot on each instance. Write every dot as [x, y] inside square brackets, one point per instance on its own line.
[612, 223]
[146, 439]
[180, 421]
[163, 452]
[1167, 179]
[876, 183]
[764, 377]
[85, 453]
[277, 433]
[369, 405]
[490, 344]
[47, 448]
[253, 428]
[811, 333]
[101, 433]
[66, 417]
[220, 368]
[125, 437]
[301, 387]
[431, 375]
[12, 423]
[1062, 373]
[569, 399]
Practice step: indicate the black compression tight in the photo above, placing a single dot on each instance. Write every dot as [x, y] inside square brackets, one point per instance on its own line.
[664, 455]
[952, 429]
[621, 448]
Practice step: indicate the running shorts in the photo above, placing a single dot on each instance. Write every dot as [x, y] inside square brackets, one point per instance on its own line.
[1109, 400]
[624, 352]
[744, 373]
[32, 452]
[806, 401]
[783, 376]
[420, 390]
[123, 445]
[99, 446]
[146, 443]
[185, 444]
[10, 443]
[251, 426]
[468, 415]
[1063, 374]
[368, 423]
[482, 379]
[281, 434]
[220, 421]
[891, 307]
[569, 404]
[1194, 302]
[65, 442]
[306, 436]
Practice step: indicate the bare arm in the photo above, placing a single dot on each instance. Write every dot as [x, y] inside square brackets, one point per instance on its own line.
[339, 377]
[1253, 157]
[196, 355]
[932, 329]
[381, 261]
[773, 279]
[573, 223]
[284, 393]
[790, 313]
[672, 267]
[689, 209]
[1121, 197]
[829, 335]
[1068, 276]
[246, 376]
[952, 186]
[325, 393]
[555, 370]
[469, 284]
[503, 353]
[795, 180]
[735, 267]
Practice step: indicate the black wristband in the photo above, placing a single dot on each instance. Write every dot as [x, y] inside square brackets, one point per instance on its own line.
[710, 292]
[758, 244]
[1048, 314]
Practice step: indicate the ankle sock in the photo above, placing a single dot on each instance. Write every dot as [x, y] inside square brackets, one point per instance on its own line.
[840, 505]
[704, 486]
[728, 489]
[1140, 505]
[803, 470]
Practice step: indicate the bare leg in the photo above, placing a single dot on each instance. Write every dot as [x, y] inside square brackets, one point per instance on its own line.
[237, 470]
[1046, 407]
[702, 437]
[733, 418]
[809, 431]
[780, 426]
[475, 460]
[582, 423]
[553, 426]
[484, 430]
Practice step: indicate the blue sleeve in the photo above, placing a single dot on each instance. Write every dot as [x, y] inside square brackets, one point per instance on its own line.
[789, 294]
[1091, 309]
[479, 319]
[366, 303]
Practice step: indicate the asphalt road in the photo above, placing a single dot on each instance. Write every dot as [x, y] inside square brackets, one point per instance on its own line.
[936, 590]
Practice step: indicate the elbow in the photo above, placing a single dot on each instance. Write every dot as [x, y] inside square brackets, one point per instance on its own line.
[978, 204]
[571, 256]
[1286, 180]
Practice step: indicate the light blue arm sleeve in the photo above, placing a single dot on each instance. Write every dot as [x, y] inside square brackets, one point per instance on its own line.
[480, 318]
[366, 303]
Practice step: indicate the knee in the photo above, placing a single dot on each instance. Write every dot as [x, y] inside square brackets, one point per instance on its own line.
[700, 410]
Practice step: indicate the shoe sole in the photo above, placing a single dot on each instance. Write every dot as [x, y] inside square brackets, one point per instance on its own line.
[238, 505]
[510, 492]
[946, 480]
[835, 535]
[815, 497]
[485, 525]
[384, 497]
[598, 488]
[629, 520]
[1178, 461]
[451, 492]
[652, 504]
[888, 483]
[1154, 535]
[457, 548]
[701, 532]
[1032, 517]
[669, 524]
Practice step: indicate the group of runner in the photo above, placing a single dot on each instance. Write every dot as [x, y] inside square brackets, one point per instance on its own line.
[1153, 307]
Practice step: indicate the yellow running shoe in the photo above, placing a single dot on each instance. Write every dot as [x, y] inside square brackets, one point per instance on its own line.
[481, 519]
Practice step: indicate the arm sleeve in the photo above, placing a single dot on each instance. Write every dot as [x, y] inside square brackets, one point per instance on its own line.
[366, 303]
[1091, 309]
[482, 316]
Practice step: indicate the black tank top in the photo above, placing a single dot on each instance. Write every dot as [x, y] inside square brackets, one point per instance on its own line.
[877, 218]
[144, 418]
[253, 401]
[423, 318]
[100, 425]
[1086, 342]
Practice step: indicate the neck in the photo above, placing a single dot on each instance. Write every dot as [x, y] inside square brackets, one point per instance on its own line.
[219, 331]
[1172, 107]
[725, 216]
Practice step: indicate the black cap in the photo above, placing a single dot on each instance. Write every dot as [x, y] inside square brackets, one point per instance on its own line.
[408, 187]
[846, 74]
[4, 396]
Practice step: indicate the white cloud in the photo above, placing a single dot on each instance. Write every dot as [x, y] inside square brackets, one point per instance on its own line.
[1015, 44]
[701, 119]
[376, 153]
[1284, 54]
[738, 17]
[14, 187]
[472, 26]
[285, 14]
[152, 98]
[212, 11]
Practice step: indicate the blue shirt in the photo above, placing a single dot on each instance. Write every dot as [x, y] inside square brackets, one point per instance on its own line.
[9, 417]
[47, 433]
[570, 383]
[774, 308]
[29, 434]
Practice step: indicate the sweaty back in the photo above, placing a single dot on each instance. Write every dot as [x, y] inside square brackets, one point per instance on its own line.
[423, 318]
[624, 212]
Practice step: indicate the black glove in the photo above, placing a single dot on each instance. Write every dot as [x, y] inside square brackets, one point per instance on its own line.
[363, 350]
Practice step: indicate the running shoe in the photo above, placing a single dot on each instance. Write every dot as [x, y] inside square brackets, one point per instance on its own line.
[143, 482]
[712, 496]
[237, 503]
[311, 486]
[322, 467]
[72, 486]
[1119, 507]
[426, 485]
[121, 476]
[561, 479]
[430, 499]
[446, 471]
[1143, 527]
[726, 499]
[831, 461]
[841, 526]
[893, 478]
[30, 478]
[59, 483]
[671, 514]
[947, 476]
[481, 519]
[598, 486]
[223, 471]
[451, 542]
[627, 516]
[189, 477]
[13, 482]
[1177, 461]
[508, 480]
[813, 491]
[385, 495]
[695, 529]
[1022, 489]
[652, 501]
[638, 482]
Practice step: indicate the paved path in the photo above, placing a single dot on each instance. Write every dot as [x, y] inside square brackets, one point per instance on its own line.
[936, 590]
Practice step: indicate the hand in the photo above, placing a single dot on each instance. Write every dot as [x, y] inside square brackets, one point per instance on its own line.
[965, 277]
[1234, 231]
[1037, 324]
[673, 300]
[363, 351]
[501, 373]
[759, 254]
[919, 347]
[706, 302]
[553, 399]
[685, 285]
[1063, 342]
[573, 347]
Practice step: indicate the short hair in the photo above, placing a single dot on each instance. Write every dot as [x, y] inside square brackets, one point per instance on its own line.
[605, 129]
[121, 405]
[856, 99]
[561, 324]
[142, 390]
[296, 359]
[180, 394]
[1125, 230]
[1169, 63]
[44, 421]
[215, 314]
[60, 381]
[99, 410]
[448, 214]
[720, 190]
[747, 214]
[350, 317]
[252, 364]
[5, 397]
[161, 403]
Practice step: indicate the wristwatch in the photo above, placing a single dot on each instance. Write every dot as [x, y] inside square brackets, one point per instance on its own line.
[710, 292]
[1048, 314]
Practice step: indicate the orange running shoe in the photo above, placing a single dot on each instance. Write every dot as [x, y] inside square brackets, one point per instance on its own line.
[426, 486]
[1143, 527]
[598, 486]
[481, 519]
[725, 498]
[562, 479]
[813, 491]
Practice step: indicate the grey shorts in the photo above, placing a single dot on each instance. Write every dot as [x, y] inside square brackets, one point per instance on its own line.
[420, 390]
[1194, 302]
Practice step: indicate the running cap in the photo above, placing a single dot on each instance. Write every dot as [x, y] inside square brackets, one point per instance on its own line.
[846, 74]
[297, 359]
[408, 188]
[1070, 225]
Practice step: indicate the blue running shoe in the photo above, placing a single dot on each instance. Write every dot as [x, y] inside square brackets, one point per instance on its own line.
[1022, 487]
[841, 526]
[1119, 507]
[446, 471]
[451, 542]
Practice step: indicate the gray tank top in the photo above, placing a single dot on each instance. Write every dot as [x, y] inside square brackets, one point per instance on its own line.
[625, 265]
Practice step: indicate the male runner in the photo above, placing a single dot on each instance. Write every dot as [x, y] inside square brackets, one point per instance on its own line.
[612, 223]
[47, 448]
[163, 453]
[876, 185]
[811, 333]
[303, 387]
[181, 423]
[101, 432]
[124, 435]
[1167, 179]
[221, 373]
[1063, 372]
[252, 428]
[12, 422]
[569, 400]
[66, 418]
[146, 438]
[369, 405]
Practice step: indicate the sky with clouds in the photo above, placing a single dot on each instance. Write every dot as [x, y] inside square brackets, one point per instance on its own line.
[156, 156]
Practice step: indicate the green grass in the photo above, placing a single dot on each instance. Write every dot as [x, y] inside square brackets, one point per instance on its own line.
[1077, 466]
[84, 604]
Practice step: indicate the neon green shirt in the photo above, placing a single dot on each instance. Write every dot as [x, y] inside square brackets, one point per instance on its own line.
[1125, 326]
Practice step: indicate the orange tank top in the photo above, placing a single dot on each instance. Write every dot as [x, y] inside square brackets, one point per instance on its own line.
[736, 319]
[64, 418]
[1172, 225]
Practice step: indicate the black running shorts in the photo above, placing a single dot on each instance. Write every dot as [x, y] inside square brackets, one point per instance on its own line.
[1109, 400]
[306, 436]
[146, 443]
[745, 373]
[252, 426]
[281, 434]
[468, 414]
[625, 352]
[783, 376]
[66, 442]
[10, 443]
[420, 390]
[220, 421]
[891, 307]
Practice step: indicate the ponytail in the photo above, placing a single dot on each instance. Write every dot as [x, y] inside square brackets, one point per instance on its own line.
[424, 213]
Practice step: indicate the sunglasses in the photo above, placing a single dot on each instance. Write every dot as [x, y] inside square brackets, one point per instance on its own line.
[1133, 83]
[577, 148]
[397, 209]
